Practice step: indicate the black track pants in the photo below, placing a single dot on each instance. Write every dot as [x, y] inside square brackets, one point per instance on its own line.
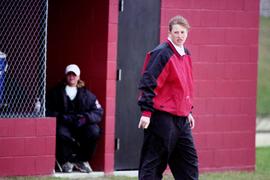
[76, 144]
[168, 141]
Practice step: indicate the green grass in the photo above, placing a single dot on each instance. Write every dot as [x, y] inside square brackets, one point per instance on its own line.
[263, 88]
[262, 172]
[262, 169]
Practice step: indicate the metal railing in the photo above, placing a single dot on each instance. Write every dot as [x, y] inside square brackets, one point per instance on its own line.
[23, 31]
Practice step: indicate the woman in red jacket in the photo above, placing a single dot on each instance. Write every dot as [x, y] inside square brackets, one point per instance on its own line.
[166, 102]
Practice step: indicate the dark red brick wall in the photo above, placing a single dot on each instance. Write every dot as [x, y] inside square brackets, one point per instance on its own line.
[224, 45]
[27, 146]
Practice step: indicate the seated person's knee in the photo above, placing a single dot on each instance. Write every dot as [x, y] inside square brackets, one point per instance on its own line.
[93, 131]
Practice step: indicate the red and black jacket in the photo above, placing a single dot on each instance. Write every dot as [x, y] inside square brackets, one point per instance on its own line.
[166, 82]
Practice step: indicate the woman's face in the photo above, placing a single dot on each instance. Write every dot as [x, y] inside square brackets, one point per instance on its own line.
[72, 79]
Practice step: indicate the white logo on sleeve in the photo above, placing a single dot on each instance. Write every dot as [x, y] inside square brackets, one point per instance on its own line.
[97, 104]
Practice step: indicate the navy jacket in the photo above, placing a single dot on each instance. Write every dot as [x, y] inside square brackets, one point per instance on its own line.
[84, 105]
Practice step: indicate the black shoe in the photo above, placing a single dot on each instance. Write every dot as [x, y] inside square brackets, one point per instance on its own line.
[83, 167]
[67, 167]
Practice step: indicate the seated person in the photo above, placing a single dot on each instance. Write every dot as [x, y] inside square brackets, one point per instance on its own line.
[78, 114]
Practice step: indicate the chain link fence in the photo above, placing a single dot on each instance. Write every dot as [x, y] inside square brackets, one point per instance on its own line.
[23, 31]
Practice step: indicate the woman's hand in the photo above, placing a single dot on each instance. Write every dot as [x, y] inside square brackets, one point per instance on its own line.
[144, 122]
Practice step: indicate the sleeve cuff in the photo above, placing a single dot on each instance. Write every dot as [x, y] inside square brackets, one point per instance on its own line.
[147, 113]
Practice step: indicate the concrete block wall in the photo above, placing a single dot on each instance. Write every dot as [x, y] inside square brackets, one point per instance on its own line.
[223, 42]
[109, 126]
[27, 146]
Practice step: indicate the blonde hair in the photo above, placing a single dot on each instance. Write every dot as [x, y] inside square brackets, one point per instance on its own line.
[80, 84]
[178, 20]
